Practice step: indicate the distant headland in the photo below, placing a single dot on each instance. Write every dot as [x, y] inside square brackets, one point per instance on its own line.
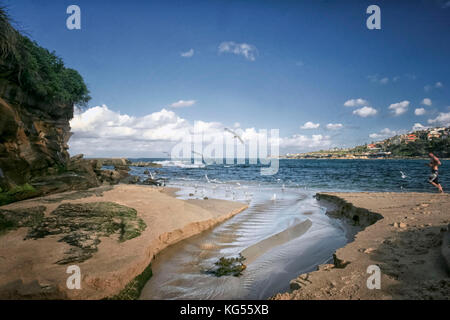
[413, 145]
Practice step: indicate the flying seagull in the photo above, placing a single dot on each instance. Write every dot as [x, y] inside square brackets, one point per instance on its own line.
[195, 152]
[235, 135]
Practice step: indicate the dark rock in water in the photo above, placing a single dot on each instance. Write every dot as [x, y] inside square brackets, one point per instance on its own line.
[122, 174]
[82, 225]
[146, 164]
[112, 162]
[121, 167]
[228, 267]
[146, 172]
[152, 182]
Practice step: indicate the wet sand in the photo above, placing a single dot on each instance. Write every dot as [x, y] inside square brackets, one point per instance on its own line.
[280, 239]
[253, 252]
[410, 244]
[28, 268]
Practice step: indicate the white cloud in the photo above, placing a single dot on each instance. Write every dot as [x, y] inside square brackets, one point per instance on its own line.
[426, 102]
[381, 80]
[375, 136]
[187, 54]
[247, 50]
[399, 108]
[385, 133]
[101, 122]
[419, 111]
[384, 80]
[365, 112]
[99, 131]
[418, 127]
[334, 126]
[183, 103]
[355, 103]
[304, 142]
[438, 84]
[310, 125]
[443, 119]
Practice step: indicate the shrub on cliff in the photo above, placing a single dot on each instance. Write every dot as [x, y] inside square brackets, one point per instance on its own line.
[36, 70]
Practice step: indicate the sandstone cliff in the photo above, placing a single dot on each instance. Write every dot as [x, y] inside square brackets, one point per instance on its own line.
[33, 136]
[37, 98]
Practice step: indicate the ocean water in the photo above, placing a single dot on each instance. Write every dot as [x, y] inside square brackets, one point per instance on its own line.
[276, 203]
[313, 175]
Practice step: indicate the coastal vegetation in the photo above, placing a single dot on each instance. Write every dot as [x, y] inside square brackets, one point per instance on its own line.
[415, 144]
[36, 70]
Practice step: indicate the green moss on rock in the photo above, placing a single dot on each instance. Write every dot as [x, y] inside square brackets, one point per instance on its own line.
[17, 193]
[228, 267]
[13, 219]
[132, 290]
[83, 224]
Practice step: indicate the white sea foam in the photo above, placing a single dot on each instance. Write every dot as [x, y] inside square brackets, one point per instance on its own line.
[180, 164]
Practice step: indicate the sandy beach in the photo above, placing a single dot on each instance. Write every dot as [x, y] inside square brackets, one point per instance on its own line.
[30, 268]
[405, 234]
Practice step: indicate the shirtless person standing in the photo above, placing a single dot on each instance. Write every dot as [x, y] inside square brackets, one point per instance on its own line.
[434, 164]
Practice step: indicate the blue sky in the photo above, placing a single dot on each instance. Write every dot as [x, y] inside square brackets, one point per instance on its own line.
[282, 64]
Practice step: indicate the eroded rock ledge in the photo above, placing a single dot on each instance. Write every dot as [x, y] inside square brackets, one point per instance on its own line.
[112, 233]
[406, 244]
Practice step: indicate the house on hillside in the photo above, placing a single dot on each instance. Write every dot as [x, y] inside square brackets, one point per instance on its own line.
[434, 134]
[410, 138]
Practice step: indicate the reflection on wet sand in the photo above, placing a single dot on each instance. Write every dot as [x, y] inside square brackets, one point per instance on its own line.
[276, 237]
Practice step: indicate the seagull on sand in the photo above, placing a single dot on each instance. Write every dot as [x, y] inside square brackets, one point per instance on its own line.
[235, 135]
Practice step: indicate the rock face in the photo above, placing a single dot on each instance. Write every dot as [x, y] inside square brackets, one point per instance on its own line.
[78, 174]
[33, 136]
[34, 158]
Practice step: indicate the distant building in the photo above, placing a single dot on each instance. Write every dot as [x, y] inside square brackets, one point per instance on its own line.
[434, 134]
[410, 138]
[372, 147]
